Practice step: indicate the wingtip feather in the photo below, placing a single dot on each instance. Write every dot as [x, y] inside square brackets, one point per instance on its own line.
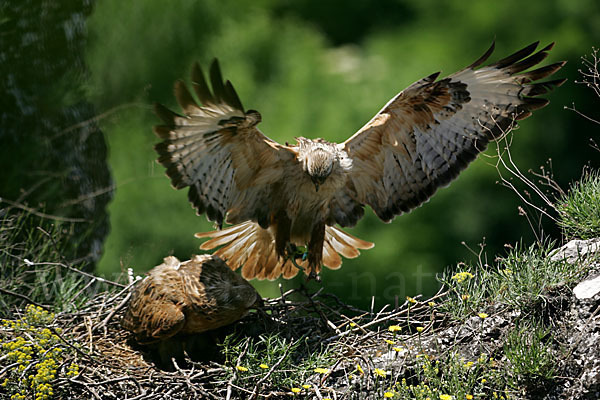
[200, 86]
[515, 57]
[216, 80]
[166, 115]
[184, 97]
[484, 57]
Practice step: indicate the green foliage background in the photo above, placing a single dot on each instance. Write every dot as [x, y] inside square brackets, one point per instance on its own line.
[323, 69]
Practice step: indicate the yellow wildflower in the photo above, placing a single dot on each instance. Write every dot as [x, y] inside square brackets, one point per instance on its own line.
[380, 372]
[469, 397]
[296, 390]
[431, 304]
[321, 370]
[483, 315]
[445, 397]
[469, 364]
[394, 328]
[462, 276]
[420, 329]
[240, 368]
[411, 300]
[388, 395]
[73, 370]
[397, 349]
[352, 324]
[359, 369]
[390, 342]
[306, 386]
[465, 297]
[264, 366]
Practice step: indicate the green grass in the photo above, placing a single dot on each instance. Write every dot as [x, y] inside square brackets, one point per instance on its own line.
[453, 377]
[526, 364]
[529, 353]
[32, 267]
[520, 284]
[579, 208]
[528, 359]
[519, 280]
[273, 361]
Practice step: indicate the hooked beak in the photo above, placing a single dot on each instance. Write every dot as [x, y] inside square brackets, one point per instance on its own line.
[316, 186]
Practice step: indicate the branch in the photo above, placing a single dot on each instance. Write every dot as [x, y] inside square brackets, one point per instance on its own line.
[41, 214]
[22, 296]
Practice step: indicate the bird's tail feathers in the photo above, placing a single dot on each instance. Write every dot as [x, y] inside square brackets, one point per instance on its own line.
[252, 248]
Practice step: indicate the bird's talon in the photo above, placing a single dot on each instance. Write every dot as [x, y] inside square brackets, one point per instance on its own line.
[313, 275]
[296, 252]
[295, 264]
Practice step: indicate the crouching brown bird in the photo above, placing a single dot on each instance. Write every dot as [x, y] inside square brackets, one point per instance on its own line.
[187, 297]
[281, 196]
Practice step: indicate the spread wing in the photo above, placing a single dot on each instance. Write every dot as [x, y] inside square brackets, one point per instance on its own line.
[431, 131]
[216, 150]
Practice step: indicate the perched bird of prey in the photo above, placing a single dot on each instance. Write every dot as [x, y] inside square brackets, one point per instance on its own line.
[193, 296]
[280, 197]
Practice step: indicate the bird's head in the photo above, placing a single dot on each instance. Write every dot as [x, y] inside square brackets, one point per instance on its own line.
[323, 161]
[318, 165]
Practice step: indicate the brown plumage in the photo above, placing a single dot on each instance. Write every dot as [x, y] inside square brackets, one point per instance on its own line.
[193, 296]
[278, 197]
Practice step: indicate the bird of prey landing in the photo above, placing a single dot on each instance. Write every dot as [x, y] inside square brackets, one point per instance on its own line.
[280, 197]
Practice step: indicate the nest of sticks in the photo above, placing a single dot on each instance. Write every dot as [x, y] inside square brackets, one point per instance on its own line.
[112, 366]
